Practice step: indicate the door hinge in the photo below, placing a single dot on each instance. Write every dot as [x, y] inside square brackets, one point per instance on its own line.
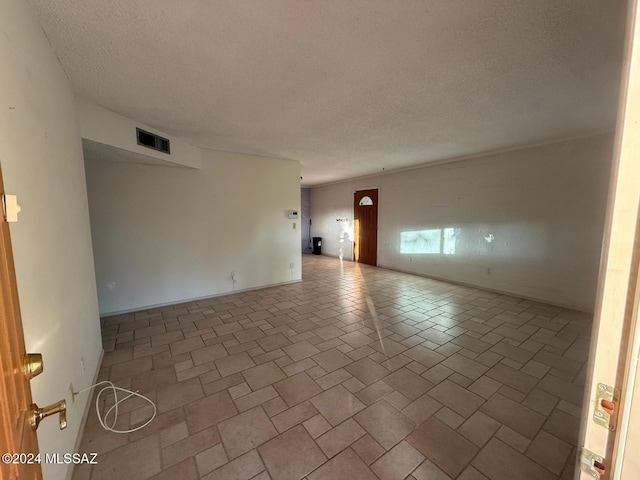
[592, 464]
[605, 412]
[10, 208]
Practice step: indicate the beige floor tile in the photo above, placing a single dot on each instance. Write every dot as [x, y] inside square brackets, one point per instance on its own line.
[245, 467]
[346, 465]
[549, 451]
[316, 426]
[239, 390]
[140, 459]
[397, 400]
[436, 374]
[374, 392]
[208, 354]
[301, 366]
[485, 386]
[458, 399]
[498, 461]
[273, 342]
[209, 411]
[249, 334]
[130, 368]
[570, 392]
[166, 338]
[187, 345]
[331, 360]
[211, 459]
[513, 378]
[367, 371]
[408, 383]
[484, 368]
[522, 419]
[173, 433]
[246, 431]
[540, 401]
[291, 455]
[234, 364]
[185, 470]
[563, 426]
[447, 449]
[340, 437]
[385, 424]
[300, 350]
[425, 356]
[479, 428]
[399, 462]
[465, 366]
[513, 439]
[449, 417]
[368, 449]
[429, 471]
[263, 375]
[182, 449]
[256, 398]
[509, 351]
[293, 416]
[356, 339]
[337, 404]
[95, 440]
[274, 406]
[421, 409]
[155, 379]
[297, 389]
[179, 394]
[328, 332]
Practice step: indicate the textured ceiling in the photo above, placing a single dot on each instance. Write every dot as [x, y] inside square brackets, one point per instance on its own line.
[347, 87]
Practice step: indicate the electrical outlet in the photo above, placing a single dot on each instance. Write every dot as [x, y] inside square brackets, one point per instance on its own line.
[291, 265]
[489, 271]
[82, 365]
[233, 276]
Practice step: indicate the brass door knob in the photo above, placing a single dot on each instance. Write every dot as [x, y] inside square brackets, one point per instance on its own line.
[36, 414]
[32, 365]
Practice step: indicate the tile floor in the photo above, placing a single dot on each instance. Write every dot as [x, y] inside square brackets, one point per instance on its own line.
[354, 373]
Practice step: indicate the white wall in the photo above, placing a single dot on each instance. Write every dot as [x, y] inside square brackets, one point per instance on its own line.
[41, 159]
[163, 235]
[544, 206]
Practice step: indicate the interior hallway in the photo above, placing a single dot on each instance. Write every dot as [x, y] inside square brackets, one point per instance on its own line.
[356, 372]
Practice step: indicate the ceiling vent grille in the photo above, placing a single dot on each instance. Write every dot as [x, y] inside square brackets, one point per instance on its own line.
[151, 140]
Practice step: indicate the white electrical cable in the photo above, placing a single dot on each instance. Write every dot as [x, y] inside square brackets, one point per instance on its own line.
[114, 408]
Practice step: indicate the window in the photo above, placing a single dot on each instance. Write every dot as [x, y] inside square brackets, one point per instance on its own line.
[365, 201]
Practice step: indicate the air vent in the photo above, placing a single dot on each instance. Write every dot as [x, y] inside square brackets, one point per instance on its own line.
[151, 140]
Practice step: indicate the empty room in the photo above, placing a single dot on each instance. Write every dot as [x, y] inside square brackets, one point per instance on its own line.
[298, 240]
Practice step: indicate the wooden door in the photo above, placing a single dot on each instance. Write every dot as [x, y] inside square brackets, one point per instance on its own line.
[15, 392]
[365, 226]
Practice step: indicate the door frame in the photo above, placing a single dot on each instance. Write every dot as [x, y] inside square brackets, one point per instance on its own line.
[612, 358]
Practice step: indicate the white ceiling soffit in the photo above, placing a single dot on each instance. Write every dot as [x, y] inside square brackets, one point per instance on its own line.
[103, 152]
[347, 87]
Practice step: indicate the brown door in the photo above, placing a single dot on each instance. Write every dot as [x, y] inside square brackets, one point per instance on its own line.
[365, 226]
[15, 392]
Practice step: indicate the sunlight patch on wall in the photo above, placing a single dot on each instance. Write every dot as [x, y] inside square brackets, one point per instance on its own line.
[435, 241]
